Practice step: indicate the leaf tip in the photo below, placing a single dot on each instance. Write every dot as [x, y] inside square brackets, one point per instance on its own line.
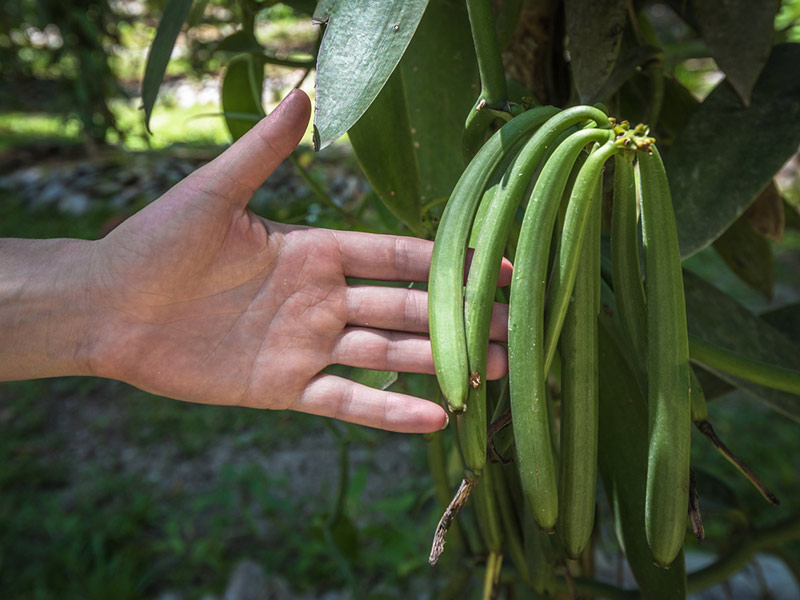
[315, 140]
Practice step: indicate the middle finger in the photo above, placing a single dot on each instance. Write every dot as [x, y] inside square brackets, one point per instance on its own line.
[405, 309]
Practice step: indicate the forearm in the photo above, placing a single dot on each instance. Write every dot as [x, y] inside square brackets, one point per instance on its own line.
[45, 308]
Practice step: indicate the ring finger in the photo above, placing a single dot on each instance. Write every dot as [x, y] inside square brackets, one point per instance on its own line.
[397, 351]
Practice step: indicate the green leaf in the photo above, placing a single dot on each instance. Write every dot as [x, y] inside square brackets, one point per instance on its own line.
[240, 42]
[303, 6]
[375, 379]
[792, 216]
[766, 215]
[172, 20]
[738, 34]
[241, 93]
[726, 154]
[716, 318]
[345, 536]
[382, 141]
[785, 319]
[625, 68]
[440, 73]
[749, 255]
[622, 461]
[594, 29]
[712, 386]
[362, 44]
[408, 141]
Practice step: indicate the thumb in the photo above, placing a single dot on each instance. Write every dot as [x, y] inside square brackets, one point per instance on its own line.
[254, 156]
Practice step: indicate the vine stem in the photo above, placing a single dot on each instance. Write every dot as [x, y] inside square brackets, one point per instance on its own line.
[594, 588]
[288, 62]
[758, 539]
[487, 50]
[722, 359]
[494, 564]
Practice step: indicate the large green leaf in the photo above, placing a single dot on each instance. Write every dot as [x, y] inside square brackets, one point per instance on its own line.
[241, 93]
[382, 141]
[441, 83]
[716, 318]
[408, 141]
[738, 34]
[766, 215]
[240, 41]
[375, 379]
[172, 20]
[594, 29]
[785, 319]
[622, 461]
[727, 153]
[749, 255]
[380, 380]
[363, 42]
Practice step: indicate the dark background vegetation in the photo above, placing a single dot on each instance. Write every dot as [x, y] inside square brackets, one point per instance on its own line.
[108, 492]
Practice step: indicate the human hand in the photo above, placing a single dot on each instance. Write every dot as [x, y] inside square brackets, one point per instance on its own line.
[199, 299]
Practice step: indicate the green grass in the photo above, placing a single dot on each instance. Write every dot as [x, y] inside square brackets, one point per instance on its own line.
[199, 125]
[17, 129]
[93, 529]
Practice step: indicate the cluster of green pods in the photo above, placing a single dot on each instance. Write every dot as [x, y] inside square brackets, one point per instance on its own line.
[536, 186]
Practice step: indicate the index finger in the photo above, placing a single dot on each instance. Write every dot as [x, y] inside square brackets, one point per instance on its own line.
[393, 257]
[384, 257]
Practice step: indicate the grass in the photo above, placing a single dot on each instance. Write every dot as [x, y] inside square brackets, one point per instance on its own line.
[21, 128]
[197, 125]
[79, 522]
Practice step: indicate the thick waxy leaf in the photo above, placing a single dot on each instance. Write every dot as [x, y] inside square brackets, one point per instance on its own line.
[363, 42]
[382, 141]
[786, 319]
[791, 215]
[635, 105]
[766, 214]
[240, 41]
[624, 69]
[726, 154]
[441, 83]
[749, 255]
[408, 141]
[374, 379]
[595, 31]
[241, 94]
[172, 20]
[716, 318]
[622, 460]
[738, 34]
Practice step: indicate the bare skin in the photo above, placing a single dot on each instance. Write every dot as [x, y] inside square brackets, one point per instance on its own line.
[197, 298]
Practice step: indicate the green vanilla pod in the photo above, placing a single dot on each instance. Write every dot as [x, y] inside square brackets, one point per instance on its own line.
[445, 282]
[576, 220]
[446, 278]
[526, 351]
[579, 398]
[668, 373]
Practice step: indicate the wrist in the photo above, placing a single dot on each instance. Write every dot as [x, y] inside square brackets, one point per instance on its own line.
[46, 312]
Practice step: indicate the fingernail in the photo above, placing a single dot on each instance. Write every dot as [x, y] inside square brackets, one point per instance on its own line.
[446, 420]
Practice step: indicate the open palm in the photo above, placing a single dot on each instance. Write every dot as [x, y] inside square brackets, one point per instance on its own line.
[204, 301]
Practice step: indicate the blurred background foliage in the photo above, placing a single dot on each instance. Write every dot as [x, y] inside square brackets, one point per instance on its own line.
[107, 492]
